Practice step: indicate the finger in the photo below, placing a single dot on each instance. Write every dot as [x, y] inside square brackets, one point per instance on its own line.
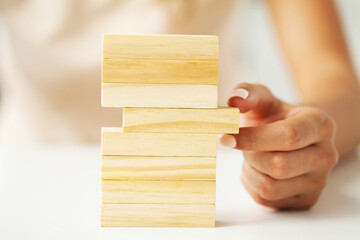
[272, 189]
[285, 165]
[226, 141]
[254, 97]
[298, 202]
[292, 133]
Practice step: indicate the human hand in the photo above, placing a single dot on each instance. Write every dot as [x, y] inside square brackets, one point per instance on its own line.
[289, 150]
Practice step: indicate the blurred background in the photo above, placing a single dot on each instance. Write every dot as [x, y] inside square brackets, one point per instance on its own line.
[50, 57]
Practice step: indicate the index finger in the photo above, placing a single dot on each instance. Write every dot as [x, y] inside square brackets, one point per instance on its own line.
[293, 133]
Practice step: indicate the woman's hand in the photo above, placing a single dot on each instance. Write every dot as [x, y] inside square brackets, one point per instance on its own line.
[289, 149]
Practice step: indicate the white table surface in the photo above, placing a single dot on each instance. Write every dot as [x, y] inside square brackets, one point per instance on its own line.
[53, 192]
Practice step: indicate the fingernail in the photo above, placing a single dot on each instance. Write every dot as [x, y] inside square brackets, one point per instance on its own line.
[226, 141]
[240, 92]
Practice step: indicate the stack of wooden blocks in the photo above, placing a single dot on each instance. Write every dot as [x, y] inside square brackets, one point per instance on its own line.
[159, 169]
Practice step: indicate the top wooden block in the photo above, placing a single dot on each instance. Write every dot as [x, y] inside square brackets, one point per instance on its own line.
[165, 59]
[175, 47]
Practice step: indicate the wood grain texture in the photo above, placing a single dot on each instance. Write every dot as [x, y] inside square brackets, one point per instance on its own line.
[158, 168]
[116, 142]
[160, 71]
[159, 95]
[219, 120]
[161, 192]
[161, 47]
[157, 215]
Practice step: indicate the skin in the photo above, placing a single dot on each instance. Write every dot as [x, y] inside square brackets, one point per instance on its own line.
[291, 149]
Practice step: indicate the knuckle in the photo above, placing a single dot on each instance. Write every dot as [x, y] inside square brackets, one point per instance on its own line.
[292, 137]
[328, 158]
[262, 87]
[330, 126]
[268, 189]
[327, 124]
[279, 166]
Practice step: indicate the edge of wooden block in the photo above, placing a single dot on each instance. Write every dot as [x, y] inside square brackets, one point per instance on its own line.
[160, 71]
[181, 120]
[144, 215]
[146, 168]
[172, 144]
[195, 96]
[180, 192]
[214, 46]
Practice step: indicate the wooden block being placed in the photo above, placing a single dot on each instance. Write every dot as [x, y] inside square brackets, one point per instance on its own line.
[157, 215]
[161, 192]
[116, 142]
[158, 168]
[160, 71]
[159, 95]
[161, 47]
[219, 120]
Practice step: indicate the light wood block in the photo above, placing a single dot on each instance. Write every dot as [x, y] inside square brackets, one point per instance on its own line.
[161, 47]
[160, 71]
[161, 192]
[159, 95]
[158, 168]
[157, 215]
[116, 142]
[219, 120]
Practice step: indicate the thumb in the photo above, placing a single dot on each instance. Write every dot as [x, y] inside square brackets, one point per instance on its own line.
[255, 98]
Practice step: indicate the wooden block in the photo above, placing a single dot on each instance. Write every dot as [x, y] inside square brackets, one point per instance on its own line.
[158, 168]
[161, 192]
[157, 215]
[219, 120]
[159, 95]
[160, 71]
[116, 142]
[161, 47]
